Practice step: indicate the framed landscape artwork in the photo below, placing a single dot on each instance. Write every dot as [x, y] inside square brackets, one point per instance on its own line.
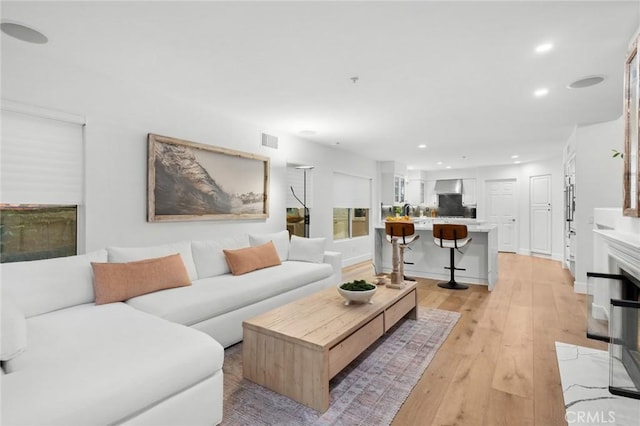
[192, 181]
[631, 176]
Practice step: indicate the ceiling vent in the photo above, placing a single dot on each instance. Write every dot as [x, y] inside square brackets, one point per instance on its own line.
[23, 32]
[586, 82]
[270, 141]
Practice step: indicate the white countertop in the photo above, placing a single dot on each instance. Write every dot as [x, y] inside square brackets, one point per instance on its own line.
[463, 220]
[473, 225]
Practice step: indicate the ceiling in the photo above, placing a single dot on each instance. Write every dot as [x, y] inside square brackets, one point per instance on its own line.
[456, 76]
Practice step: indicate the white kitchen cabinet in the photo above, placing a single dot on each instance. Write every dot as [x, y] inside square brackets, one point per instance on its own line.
[469, 192]
[430, 196]
[399, 189]
[392, 189]
[393, 182]
[415, 191]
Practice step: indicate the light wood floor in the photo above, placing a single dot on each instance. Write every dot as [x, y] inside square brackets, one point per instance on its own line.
[498, 366]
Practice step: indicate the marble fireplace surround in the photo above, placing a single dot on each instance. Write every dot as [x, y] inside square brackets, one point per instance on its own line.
[616, 247]
[616, 242]
[586, 396]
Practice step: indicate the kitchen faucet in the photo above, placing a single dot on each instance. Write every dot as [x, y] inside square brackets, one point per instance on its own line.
[405, 209]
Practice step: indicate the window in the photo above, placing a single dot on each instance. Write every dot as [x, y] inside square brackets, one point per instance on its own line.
[37, 232]
[340, 223]
[300, 183]
[350, 223]
[360, 222]
[351, 208]
[41, 161]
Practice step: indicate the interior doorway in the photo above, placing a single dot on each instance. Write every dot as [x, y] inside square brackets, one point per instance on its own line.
[502, 210]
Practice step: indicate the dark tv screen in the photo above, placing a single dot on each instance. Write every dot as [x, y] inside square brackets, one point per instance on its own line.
[450, 205]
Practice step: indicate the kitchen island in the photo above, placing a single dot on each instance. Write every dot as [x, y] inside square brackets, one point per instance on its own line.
[479, 258]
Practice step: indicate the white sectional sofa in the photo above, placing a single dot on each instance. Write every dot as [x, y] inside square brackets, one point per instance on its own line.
[155, 359]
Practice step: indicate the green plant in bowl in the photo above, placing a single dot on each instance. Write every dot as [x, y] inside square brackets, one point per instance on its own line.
[357, 291]
[357, 285]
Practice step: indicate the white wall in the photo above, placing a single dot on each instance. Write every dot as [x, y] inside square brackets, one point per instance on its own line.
[598, 184]
[119, 116]
[522, 173]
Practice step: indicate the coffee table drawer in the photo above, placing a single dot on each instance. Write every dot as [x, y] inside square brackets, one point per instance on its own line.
[346, 351]
[399, 309]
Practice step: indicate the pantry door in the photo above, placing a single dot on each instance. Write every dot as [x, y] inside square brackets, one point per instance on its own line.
[502, 210]
[540, 205]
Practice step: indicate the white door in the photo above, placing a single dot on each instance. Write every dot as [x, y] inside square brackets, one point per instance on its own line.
[502, 210]
[540, 204]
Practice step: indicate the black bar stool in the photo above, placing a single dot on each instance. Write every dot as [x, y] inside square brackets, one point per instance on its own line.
[453, 237]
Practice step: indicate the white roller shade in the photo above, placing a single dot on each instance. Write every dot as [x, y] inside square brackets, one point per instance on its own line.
[351, 191]
[41, 160]
[295, 178]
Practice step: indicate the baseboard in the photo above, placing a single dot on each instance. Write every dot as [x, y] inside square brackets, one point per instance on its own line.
[524, 252]
[546, 256]
[357, 259]
[579, 287]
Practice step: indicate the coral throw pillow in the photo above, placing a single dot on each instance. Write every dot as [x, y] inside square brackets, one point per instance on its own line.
[249, 259]
[117, 282]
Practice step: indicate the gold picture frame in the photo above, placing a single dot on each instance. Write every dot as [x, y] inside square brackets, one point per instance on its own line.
[631, 175]
[191, 181]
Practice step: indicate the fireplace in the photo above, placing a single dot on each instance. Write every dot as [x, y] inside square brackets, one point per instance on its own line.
[613, 311]
[613, 315]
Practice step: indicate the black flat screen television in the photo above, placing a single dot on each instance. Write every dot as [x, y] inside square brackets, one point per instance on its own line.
[450, 205]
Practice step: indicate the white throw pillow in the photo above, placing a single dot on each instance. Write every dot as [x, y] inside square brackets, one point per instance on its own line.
[14, 330]
[41, 286]
[209, 258]
[133, 254]
[307, 249]
[280, 240]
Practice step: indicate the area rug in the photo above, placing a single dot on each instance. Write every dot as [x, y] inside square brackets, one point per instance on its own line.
[584, 374]
[369, 391]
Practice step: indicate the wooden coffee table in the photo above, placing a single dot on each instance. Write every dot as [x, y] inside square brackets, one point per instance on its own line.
[297, 348]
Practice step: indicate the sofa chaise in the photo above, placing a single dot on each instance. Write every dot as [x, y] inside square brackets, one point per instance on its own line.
[153, 359]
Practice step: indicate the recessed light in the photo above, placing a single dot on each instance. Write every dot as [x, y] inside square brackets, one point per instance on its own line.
[587, 82]
[439, 163]
[422, 146]
[23, 32]
[448, 167]
[544, 47]
[308, 132]
[543, 91]
[514, 156]
[517, 162]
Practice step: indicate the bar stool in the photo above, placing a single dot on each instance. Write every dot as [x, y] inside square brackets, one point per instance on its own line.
[452, 237]
[395, 231]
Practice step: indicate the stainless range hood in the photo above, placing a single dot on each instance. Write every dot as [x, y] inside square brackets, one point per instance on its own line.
[448, 186]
